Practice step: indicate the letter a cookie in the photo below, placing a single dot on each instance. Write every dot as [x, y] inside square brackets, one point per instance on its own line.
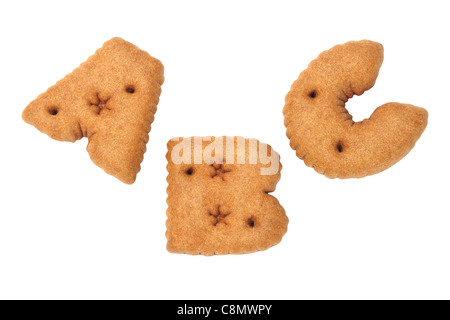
[111, 99]
[218, 196]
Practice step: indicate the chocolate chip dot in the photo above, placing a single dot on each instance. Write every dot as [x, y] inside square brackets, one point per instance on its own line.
[339, 147]
[313, 94]
[129, 89]
[251, 222]
[189, 171]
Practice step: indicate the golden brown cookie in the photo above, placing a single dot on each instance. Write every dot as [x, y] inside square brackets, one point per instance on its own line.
[219, 204]
[111, 99]
[322, 131]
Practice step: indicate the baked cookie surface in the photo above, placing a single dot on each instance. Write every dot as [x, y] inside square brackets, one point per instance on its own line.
[222, 206]
[110, 99]
[322, 131]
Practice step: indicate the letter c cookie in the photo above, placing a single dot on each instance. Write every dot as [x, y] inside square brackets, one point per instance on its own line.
[322, 131]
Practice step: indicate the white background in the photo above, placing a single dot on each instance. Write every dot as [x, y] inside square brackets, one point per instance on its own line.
[68, 230]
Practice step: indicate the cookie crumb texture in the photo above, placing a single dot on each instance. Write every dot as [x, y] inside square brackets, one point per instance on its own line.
[217, 209]
[110, 99]
[322, 131]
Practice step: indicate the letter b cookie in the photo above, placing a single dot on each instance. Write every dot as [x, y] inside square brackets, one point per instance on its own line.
[218, 196]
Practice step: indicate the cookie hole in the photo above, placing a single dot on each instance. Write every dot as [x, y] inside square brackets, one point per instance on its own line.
[339, 147]
[313, 94]
[190, 171]
[53, 111]
[130, 89]
[251, 222]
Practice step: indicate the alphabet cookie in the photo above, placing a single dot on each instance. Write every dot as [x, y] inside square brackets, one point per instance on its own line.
[322, 131]
[218, 196]
[111, 99]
